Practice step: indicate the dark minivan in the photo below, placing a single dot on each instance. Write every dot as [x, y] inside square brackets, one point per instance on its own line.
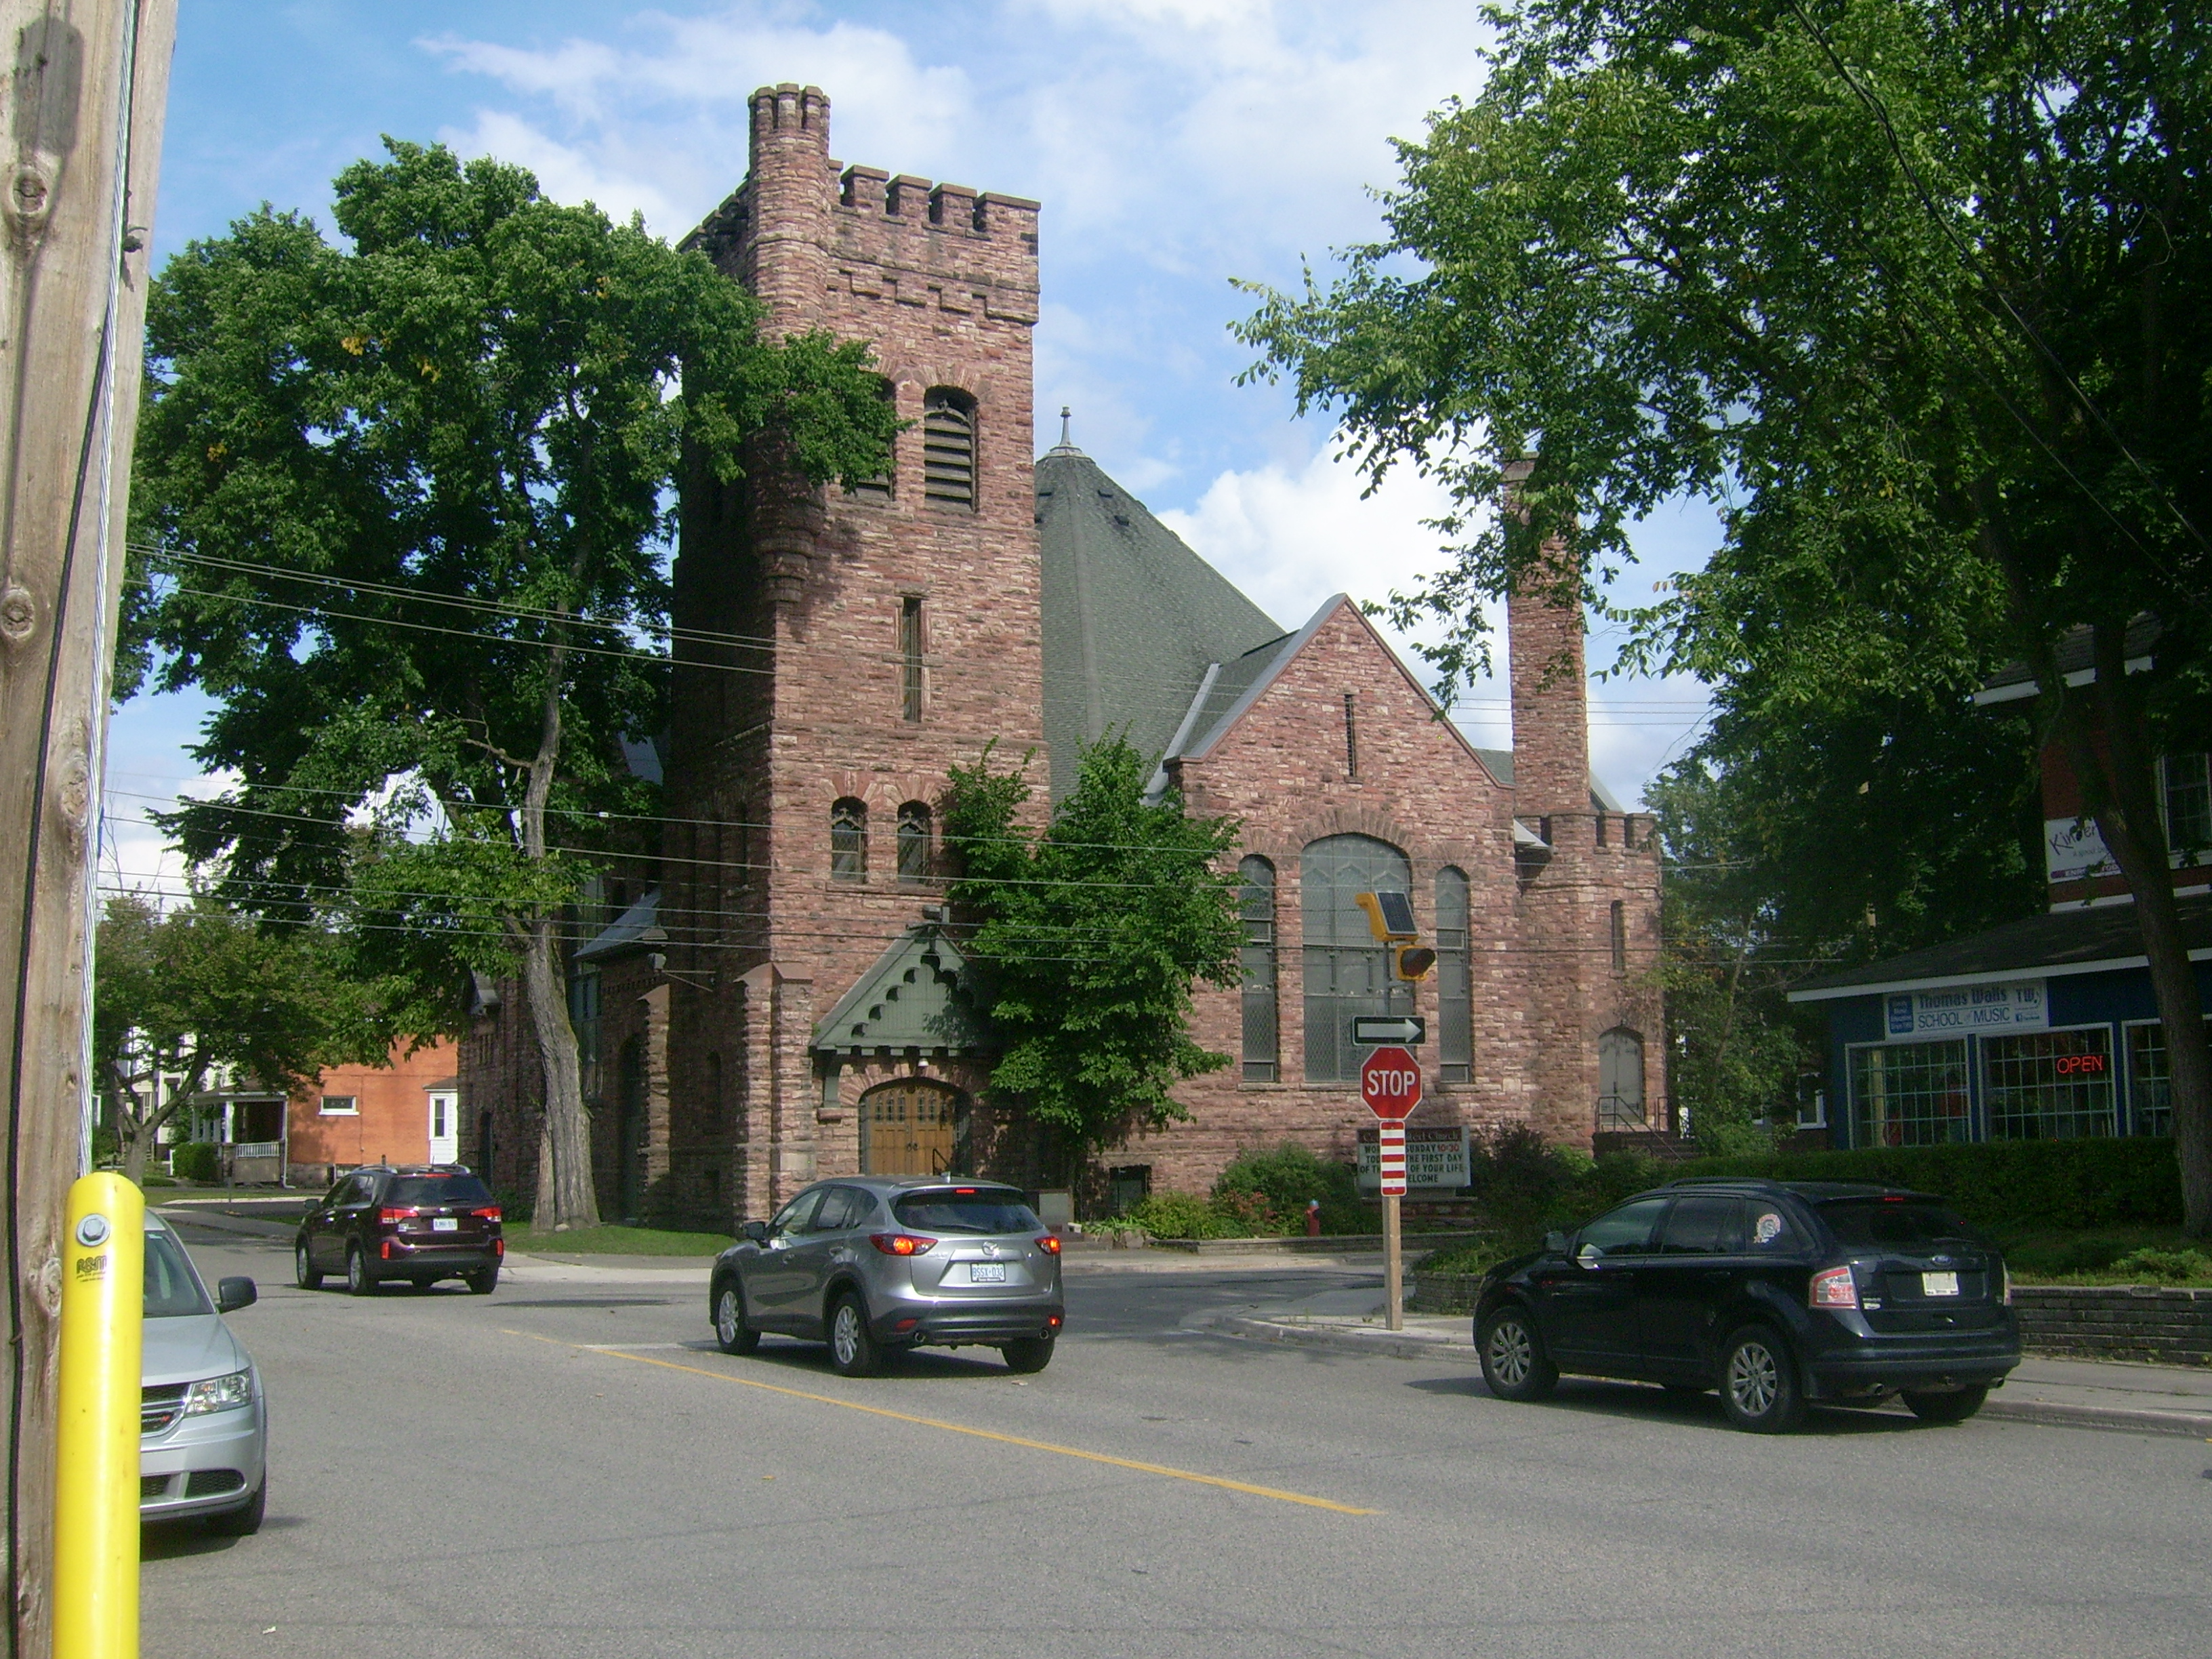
[1777, 1293]
[421, 1222]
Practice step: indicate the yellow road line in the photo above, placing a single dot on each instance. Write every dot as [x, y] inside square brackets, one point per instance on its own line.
[1172, 1473]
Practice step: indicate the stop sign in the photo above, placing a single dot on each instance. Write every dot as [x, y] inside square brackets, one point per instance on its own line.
[1390, 1083]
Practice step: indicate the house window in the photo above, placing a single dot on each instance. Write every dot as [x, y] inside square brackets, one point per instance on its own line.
[1455, 984]
[1256, 906]
[1909, 1094]
[584, 1020]
[913, 842]
[2188, 792]
[1619, 936]
[1347, 972]
[948, 449]
[909, 645]
[848, 840]
[2150, 1078]
[2049, 1086]
[340, 1106]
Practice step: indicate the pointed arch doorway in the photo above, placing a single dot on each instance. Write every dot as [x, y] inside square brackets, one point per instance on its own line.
[911, 1126]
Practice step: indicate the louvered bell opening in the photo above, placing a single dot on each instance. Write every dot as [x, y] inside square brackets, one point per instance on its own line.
[948, 455]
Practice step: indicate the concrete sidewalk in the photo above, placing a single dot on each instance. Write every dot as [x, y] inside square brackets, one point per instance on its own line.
[2173, 1400]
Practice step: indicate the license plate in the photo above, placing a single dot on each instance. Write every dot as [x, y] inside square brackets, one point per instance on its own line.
[445, 1224]
[987, 1273]
[1939, 1283]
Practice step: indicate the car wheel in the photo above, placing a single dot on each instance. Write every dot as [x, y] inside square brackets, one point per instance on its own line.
[1758, 1382]
[482, 1282]
[1955, 1407]
[731, 1334]
[1029, 1356]
[359, 1280]
[245, 1521]
[1514, 1362]
[853, 1348]
[305, 1273]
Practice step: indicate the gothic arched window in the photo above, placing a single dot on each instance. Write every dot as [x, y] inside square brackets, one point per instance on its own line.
[1454, 1004]
[1256, 905]
[948, 448]
[913, 842]
[848, 840]
[1345, 969]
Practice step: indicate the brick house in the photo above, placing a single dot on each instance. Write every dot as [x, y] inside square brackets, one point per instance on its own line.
[404, 1111]
[780, 998]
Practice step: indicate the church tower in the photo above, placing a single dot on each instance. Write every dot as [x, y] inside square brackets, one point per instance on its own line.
[836, 652]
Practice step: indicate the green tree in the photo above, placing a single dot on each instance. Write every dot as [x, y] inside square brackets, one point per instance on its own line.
[198, 994]
[1921, 293]
[410, 502]
[1798, 840]
[1093, 934]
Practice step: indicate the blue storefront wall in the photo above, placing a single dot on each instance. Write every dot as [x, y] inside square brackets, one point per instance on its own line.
[2114, 999]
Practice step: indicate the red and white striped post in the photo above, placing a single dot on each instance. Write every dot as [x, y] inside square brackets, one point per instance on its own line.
[1390, 1083]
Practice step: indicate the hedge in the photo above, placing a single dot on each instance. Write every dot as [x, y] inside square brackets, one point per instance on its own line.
[196, 1160]
[2014, 1185]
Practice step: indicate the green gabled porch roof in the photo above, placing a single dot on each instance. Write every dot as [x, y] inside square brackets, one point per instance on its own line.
[915, 996]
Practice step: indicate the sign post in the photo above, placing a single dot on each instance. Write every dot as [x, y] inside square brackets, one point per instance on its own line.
[1390, 1085]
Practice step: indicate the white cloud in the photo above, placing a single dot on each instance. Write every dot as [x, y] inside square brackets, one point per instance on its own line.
[566, 172]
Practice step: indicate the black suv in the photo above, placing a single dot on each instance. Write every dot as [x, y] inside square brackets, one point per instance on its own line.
[421, 1222]
[1775, 1292]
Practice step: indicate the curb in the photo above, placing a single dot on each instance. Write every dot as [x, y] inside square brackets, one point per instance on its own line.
[1391, 1345]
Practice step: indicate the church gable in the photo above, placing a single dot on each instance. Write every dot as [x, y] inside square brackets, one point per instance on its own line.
[1333, 704]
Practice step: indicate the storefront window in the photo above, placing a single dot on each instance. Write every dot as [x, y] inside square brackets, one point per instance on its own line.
[1911, 1094]
[2150, 1079]
[2050, 1085]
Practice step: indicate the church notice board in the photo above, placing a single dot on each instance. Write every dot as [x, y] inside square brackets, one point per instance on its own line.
[1436, 1158]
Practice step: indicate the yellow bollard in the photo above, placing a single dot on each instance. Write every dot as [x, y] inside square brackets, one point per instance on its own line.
[96, 1476]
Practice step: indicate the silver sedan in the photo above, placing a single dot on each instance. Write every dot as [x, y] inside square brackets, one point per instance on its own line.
[873, 1265]
[203, 1424]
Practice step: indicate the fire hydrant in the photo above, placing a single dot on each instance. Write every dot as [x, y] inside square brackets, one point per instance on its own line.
[1313, 1217]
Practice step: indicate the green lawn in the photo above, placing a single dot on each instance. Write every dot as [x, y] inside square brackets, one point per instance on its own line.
[617, 1241]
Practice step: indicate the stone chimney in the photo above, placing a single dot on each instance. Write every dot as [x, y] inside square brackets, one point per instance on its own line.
[1551, 703]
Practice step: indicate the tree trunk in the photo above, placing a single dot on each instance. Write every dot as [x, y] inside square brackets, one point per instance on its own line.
[567, 1194]
[2119, 788]
[568, 1140]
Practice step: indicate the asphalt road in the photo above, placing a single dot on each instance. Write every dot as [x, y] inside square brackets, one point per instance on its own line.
[570, 1468]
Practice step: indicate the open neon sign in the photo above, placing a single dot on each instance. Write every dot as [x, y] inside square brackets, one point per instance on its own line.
[2080, 1065]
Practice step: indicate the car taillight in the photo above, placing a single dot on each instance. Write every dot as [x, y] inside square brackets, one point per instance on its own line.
[393, 1217]
[901, 1243]
[1834, 1287]
[1049, 1245]
[491, 1212]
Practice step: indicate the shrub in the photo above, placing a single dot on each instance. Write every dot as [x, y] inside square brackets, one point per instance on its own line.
[1268, 1191]
[196, 1160]
[2003, 1185]
[1183, 1215]
[2166, 1266]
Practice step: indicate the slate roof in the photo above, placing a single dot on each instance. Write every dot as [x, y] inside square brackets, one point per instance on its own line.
[635, 929]
[1142, 636]
[915, 996]
[2017, 678]
[1132, 618]
[2076, 939]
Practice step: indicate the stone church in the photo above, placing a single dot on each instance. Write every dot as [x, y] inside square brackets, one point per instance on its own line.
[777, 996]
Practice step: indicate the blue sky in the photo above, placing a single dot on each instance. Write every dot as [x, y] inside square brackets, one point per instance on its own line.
[1176, 145]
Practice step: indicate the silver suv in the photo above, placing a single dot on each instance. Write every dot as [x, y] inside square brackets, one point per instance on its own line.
[873, 1265]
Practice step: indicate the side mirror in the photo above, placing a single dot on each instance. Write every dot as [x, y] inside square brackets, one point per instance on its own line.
[1589, 1256]
[1556, 1243]
[232, 1294]
[756, 1231]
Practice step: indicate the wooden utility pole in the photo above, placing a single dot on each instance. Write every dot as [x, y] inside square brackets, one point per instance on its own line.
[86, 86]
